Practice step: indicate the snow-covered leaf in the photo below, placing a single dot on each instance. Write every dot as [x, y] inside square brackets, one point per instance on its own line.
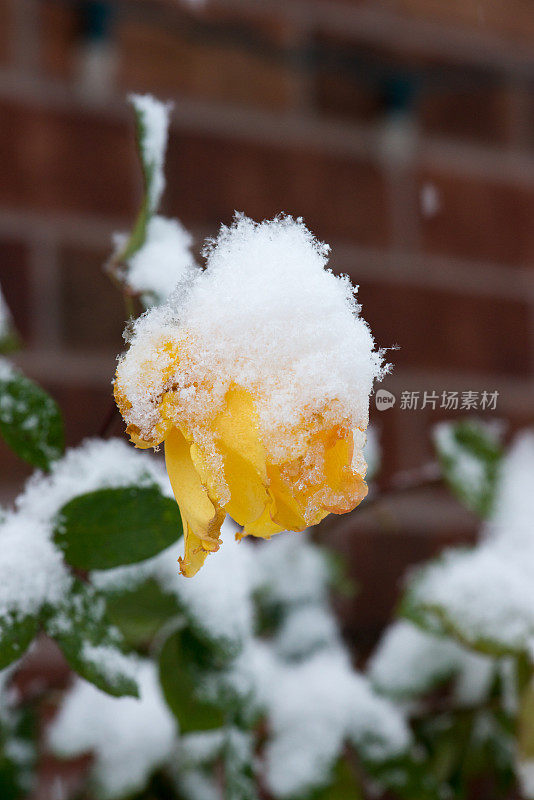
[112, 527]
[152, 121]
[181, 661]
[129, 738]
[30, 420]
[91, 645]
[470, 453]
[16, 634]
[140, 611]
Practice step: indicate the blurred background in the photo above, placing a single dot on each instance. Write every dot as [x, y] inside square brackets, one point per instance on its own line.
[401, 130]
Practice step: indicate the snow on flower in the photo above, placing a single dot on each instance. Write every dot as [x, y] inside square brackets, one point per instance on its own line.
[257, 377]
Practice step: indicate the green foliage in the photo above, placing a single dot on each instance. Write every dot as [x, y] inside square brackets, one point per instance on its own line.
[436, 619]
[470, 453]
[184, 664]
[9, 342]
[17, 754]
[238, 765]
[151, 198]
[16, 635]
[466, 747]
[113, 527]
[91, 645]
[345, 784]
[30, 420]
[139, 612]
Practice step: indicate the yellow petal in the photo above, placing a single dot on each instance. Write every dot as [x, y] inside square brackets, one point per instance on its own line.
[347, 488]
[287, 511]
[194, 552]
[264, 527]
[238, 438]
[203, 517]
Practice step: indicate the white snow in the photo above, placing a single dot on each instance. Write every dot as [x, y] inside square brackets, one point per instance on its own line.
[110, 661]
[292, 569]
[129, 738]
[525, 772]
[7, 370]
[163, 264]
[301, 677]
[219, 602]
[31, 568]
[409, 662]
[155, 120]
[488, 592]
[306, 628]
[267, 316]
[313, 707]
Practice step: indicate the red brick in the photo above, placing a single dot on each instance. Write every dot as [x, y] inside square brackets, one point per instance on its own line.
[67, 161]
[209, 177]
[6, 15]
[445, 330]
[214, 56]
[479, 219]
[13, 474]
[92, 311]
[86, 408]
[511, 20]
[466, 104]
[59, 23]
[14, 281]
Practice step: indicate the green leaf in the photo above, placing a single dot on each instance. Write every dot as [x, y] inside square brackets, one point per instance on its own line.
[112, 527]
[152, 165]
[9, 342]
[470, 453]
[91, 645]
[16, 635]
[183, 665]
[344, 784]
[140, 612]
[30, 420]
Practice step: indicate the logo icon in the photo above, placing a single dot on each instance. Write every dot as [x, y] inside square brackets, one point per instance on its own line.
[384, 400]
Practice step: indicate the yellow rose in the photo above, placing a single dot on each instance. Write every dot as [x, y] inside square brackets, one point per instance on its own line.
[256, 378]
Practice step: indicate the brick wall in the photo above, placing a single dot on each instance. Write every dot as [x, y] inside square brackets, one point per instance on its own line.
[401, 131]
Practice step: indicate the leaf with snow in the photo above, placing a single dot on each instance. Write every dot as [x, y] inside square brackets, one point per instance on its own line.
[238, 761]
[410, 662]
[90, 644]
[129, 738]
[30, 420]
[484, 596]
[181, 662]
[16, 634]
[152, 120]
[108, 528]
[470, 454]
[140, 611]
